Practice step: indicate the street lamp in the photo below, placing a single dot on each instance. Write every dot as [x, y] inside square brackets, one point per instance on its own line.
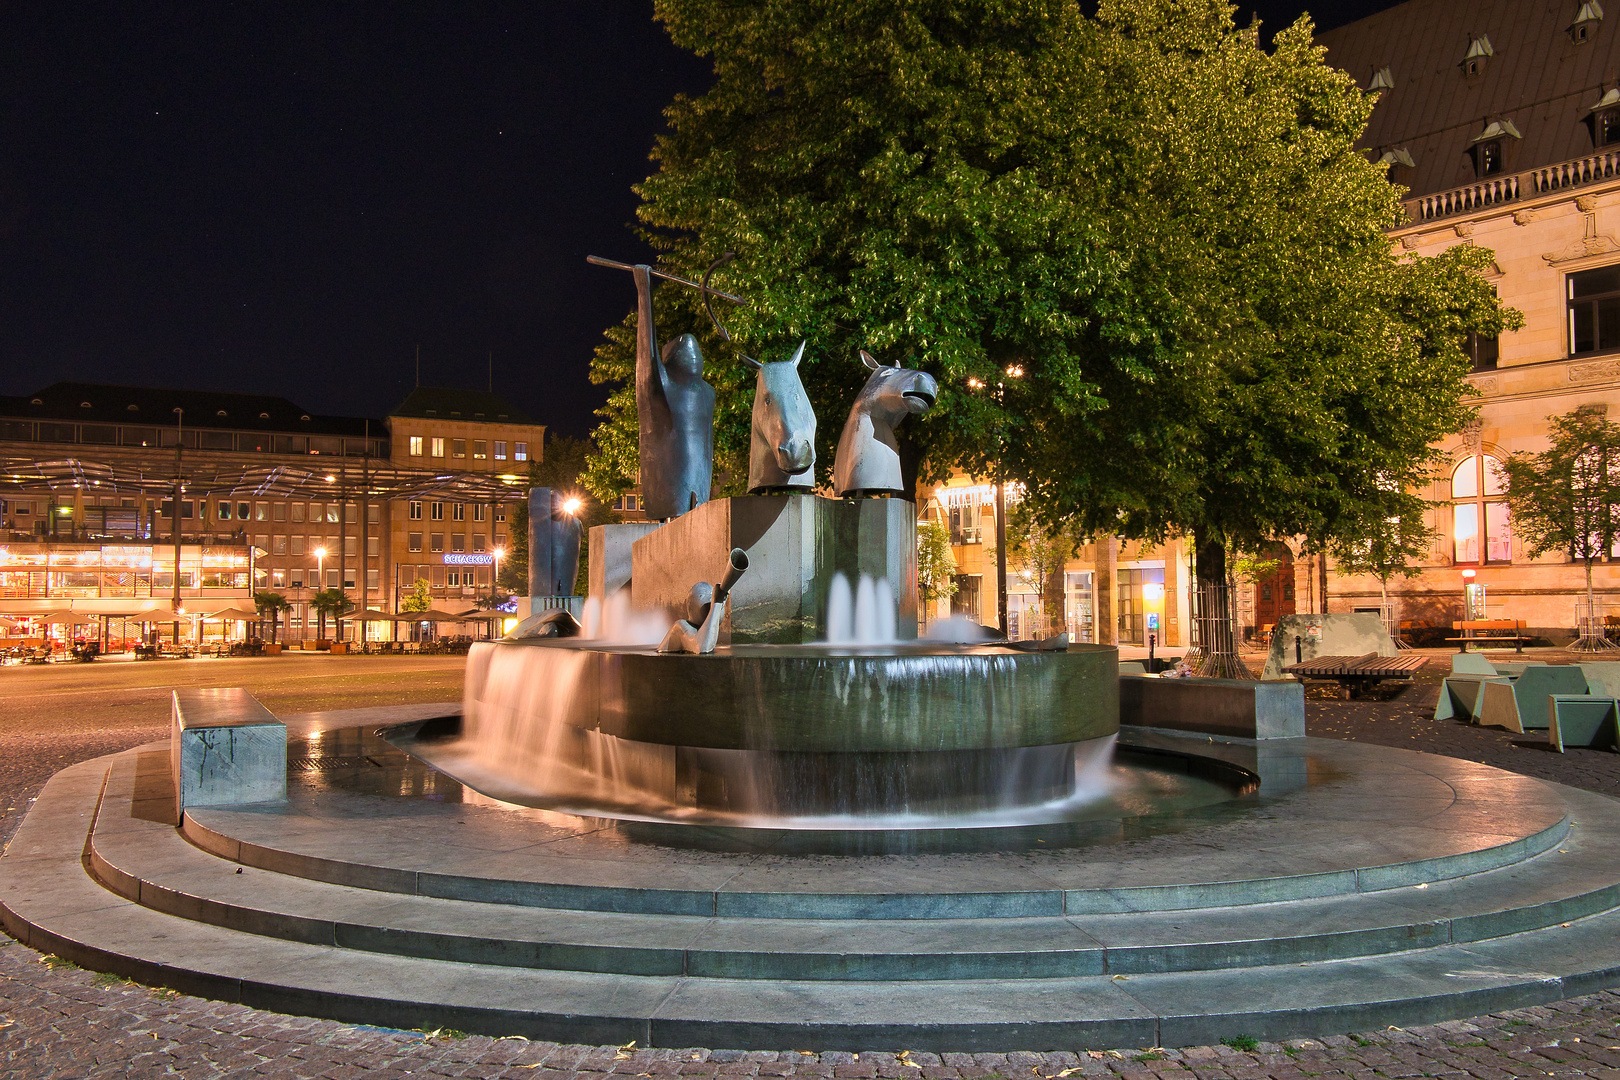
[571, 507]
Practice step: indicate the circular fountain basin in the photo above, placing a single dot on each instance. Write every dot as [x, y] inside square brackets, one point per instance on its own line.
[909, 735]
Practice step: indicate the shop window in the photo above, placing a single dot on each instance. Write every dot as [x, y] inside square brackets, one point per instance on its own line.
[966, 599]
[1594, 310]
[1480, 525]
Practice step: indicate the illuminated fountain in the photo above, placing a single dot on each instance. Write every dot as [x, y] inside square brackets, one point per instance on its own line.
[802, 698]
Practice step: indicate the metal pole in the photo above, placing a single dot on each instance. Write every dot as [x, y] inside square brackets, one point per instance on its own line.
[179, 455]
[1001, 555]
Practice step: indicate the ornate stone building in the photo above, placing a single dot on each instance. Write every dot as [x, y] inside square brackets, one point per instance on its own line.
[1502, 118]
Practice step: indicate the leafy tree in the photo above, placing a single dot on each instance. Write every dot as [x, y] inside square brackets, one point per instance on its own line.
[270, 605]
[332, 602]
[1141, 253]
[1038, 552]
[1567, 498]
[1387, 548]
[936, 566]
[420, 598]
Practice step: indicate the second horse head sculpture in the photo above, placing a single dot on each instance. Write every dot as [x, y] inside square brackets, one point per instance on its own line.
[868, 461]
[782, 451]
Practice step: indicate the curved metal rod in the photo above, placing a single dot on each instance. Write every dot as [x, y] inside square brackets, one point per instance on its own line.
[595, 260]
[709, 307]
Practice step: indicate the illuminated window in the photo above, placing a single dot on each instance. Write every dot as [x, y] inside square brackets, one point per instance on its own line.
[416, 446]
[438, 448]
[500, 450]
[1594, 310]
[224, 511]
[1479, 512]
[520, 451]
[479, 452]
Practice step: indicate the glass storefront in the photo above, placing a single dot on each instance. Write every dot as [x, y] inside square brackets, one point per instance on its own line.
[1140, 592]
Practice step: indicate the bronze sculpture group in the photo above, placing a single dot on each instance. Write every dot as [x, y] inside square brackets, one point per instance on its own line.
[675, 411]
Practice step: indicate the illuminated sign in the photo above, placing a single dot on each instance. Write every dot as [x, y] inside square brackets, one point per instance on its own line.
[462, 559]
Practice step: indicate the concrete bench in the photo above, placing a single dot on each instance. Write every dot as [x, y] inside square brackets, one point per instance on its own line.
[1238, 707]
[1521, 704]
[1587, 720]
[225, 748]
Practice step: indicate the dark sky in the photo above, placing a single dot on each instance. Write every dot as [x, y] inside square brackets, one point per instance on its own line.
[290, 198]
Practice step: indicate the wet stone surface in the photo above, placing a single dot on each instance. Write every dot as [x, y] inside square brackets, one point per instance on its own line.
[57, 1021]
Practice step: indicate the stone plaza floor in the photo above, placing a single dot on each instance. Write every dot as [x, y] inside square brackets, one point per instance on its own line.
[58, 1021]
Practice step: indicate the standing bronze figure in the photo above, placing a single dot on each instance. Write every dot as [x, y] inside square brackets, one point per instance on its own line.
[675, 410]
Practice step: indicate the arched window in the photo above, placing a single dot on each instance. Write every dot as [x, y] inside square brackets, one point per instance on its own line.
[1479, 512]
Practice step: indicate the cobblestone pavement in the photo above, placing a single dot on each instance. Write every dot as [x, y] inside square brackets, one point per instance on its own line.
[59, 1022]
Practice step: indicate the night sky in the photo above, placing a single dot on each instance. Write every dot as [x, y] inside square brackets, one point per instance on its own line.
[292, 198]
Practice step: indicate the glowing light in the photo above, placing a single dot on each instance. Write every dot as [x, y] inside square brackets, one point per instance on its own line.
[320, 553]
[1153, 592]
[1468, 575]
[975, 384]
[1015, 372]
[330, 478]
[500, 553]
[572, 506]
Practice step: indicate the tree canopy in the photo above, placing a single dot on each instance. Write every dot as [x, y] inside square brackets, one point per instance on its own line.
[1139, 252]
[1567, 498]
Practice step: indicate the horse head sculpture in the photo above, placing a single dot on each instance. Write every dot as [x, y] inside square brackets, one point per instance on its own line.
[868, 461]
[782, 451]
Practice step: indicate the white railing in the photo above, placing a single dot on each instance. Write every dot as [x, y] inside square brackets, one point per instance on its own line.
[1463, 200]
[1568, 174]
[1577, 172]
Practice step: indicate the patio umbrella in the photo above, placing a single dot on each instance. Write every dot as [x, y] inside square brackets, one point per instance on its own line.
[65, 618]
[234, 613]
[434, 615]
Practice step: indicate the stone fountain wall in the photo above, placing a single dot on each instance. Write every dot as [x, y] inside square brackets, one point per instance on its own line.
[795, 544]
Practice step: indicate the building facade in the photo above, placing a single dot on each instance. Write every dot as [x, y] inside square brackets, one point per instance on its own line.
[269, 496]
[1502, 119]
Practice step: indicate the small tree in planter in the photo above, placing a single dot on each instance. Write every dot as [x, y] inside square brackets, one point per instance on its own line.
[936, 566]
[270, 605]
[1389, 549]
[420, 599]
[1567, 498]
[329, 602]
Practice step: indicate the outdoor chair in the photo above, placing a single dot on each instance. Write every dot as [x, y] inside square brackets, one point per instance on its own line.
[1522, 704]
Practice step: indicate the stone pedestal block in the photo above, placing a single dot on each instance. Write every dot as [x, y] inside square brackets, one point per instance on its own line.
[1233, 707]
[225, 748]
[610, 555]
[795, 544]
[1351, 634]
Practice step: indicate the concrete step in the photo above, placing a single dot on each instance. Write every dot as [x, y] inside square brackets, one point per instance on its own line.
[1343, 820]
[50, 902]
[148, 861]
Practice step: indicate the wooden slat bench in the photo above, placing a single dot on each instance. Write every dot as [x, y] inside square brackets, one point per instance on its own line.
[1489, 630]
[1357, 673]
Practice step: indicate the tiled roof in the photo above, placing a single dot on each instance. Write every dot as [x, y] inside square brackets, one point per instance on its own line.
[1537, 78]
[445, 403]
[109, 404]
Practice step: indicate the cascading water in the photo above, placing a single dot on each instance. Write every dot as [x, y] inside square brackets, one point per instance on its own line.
[865, 617]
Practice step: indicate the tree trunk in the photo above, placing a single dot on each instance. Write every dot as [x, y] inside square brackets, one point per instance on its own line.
[1054, 599]
[1216, 629]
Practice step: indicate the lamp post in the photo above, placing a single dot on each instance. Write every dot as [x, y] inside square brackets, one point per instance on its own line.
[1014, 371]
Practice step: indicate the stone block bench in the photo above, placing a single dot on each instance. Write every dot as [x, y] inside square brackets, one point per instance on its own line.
[225, 749]
[1237, 707]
